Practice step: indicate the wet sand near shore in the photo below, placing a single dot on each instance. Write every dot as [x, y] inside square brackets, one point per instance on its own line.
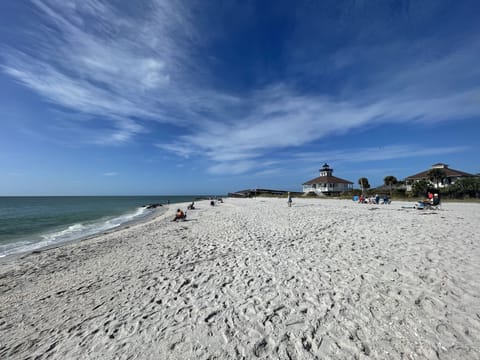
[253, 278]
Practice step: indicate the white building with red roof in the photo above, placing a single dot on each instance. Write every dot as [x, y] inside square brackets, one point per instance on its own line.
[326, 183]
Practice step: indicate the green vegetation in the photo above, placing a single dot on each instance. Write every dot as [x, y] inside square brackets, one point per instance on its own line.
[436, 176]
[467, 188]
[421, 187]
[389, 181]
[363, 182]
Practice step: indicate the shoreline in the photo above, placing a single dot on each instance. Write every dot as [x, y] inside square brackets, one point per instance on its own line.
[145, 219]
[254, 278]
[71, 227]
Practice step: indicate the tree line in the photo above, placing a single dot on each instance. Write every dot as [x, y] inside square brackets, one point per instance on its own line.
[468, 187]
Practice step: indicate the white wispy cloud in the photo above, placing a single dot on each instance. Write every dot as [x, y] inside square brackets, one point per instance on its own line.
[101, 61]
[92, 58]
[283, 119]
[241, 167]
[379, 153]
[110, 173]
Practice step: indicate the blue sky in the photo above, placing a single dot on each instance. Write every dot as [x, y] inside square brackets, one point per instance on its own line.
[184, 97]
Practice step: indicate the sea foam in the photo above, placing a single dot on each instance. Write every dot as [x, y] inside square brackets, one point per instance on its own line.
[73, 232]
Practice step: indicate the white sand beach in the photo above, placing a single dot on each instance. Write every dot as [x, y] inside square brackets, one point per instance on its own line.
[253, 278]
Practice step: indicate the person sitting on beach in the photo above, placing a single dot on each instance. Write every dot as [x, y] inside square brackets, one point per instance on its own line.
[435, 200]
[430, 199]
[212, 203]
[427, 200]
[191, 206]
[180, 215]
[428, 203]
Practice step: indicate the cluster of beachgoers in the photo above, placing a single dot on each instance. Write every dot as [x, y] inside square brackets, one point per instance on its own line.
[376, 199]
[254, 278]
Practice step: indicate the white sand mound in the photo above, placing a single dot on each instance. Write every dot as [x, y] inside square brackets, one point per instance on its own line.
[253, 278]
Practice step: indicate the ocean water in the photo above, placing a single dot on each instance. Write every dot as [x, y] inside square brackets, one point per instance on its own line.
[29, 223]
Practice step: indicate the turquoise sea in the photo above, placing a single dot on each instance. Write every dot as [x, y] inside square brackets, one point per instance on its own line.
[29, 223]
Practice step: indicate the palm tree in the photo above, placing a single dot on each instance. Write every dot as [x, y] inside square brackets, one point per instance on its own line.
[389, 181]
[436, 175]
[363, 182]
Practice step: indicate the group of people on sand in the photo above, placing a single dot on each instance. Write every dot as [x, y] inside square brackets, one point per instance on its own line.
[374, 199]
[215, 200]
[181, 215]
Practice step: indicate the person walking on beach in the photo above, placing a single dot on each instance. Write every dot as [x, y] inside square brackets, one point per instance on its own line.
[289, 200]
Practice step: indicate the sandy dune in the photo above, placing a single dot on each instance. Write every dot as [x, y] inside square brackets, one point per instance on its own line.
[252, 278]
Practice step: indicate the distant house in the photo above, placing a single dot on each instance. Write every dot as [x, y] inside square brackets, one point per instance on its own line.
[326, 183]
[450, 176]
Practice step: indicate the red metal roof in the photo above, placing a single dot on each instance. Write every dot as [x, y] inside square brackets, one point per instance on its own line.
[327, 180]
